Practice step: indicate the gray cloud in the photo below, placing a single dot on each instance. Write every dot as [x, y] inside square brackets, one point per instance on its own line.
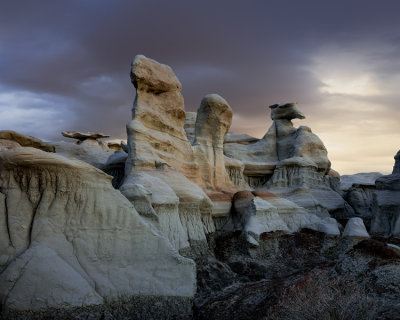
[75, 56]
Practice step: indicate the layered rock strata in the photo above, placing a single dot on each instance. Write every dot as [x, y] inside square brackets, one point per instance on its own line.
[161, 161]
[69, 240]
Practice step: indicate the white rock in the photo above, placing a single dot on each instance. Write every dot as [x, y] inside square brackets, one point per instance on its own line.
[71, 239]
[355, 228]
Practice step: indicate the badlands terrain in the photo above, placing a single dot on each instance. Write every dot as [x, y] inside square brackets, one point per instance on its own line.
[189, 221]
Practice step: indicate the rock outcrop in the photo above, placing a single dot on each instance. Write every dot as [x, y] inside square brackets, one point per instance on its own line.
[256, 215]
[26, 141]
[386, 203]
[87, 148]
[69, 240]
[355, 228]
[161, 159]
[214, 118]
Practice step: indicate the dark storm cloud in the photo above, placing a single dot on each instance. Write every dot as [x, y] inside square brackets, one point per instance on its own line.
[74, 56]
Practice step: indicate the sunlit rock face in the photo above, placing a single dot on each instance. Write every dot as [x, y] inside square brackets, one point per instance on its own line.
[70, 240]
[161, 159]
[386, 203]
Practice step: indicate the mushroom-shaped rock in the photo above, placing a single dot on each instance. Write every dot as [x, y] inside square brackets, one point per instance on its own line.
[214, 118]
[355, 228]
[81, 136]
[26, 141]
[288, 111]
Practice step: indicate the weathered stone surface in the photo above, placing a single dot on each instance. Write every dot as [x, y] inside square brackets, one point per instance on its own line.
[25, 141]
[257, 155]
[91, 151]
[156, 135]
[261, 211]
[386, 205]
[355, 228]
[81, 136]
[360, 198]
[70, 240]
[363, 178]
[214, 118]
[189, 125]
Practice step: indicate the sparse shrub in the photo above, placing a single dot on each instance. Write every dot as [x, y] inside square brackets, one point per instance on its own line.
[321, 296]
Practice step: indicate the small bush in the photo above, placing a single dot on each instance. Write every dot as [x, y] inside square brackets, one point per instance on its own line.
[319, 296]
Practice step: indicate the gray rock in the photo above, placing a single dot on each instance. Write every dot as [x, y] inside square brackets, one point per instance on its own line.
[355, 228]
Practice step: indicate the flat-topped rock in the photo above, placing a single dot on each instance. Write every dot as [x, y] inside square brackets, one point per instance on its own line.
[83, 135]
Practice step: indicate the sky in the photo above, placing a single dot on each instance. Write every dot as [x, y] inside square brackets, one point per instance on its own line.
[64, 65]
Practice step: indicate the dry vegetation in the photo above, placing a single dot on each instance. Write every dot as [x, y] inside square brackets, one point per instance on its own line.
[320, 296]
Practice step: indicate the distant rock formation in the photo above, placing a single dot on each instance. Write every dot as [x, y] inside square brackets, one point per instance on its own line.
[396, 167]
[386, 203]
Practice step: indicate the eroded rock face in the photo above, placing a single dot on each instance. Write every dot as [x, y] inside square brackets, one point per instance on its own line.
[162, 160]
[214, 118]
[386, 204]
[156, 135]
[68, 239]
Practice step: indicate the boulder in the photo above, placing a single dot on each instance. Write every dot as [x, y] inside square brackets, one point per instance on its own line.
[355, 228]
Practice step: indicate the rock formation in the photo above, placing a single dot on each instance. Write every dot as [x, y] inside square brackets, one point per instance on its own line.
[87, 148]
[355, 228]
[254, 215]
[70, 240]
[290, 162]
[161, 159]
[386, 203]
[214, 118]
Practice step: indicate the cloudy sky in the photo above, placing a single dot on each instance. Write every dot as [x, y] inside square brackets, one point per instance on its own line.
[64, 65]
